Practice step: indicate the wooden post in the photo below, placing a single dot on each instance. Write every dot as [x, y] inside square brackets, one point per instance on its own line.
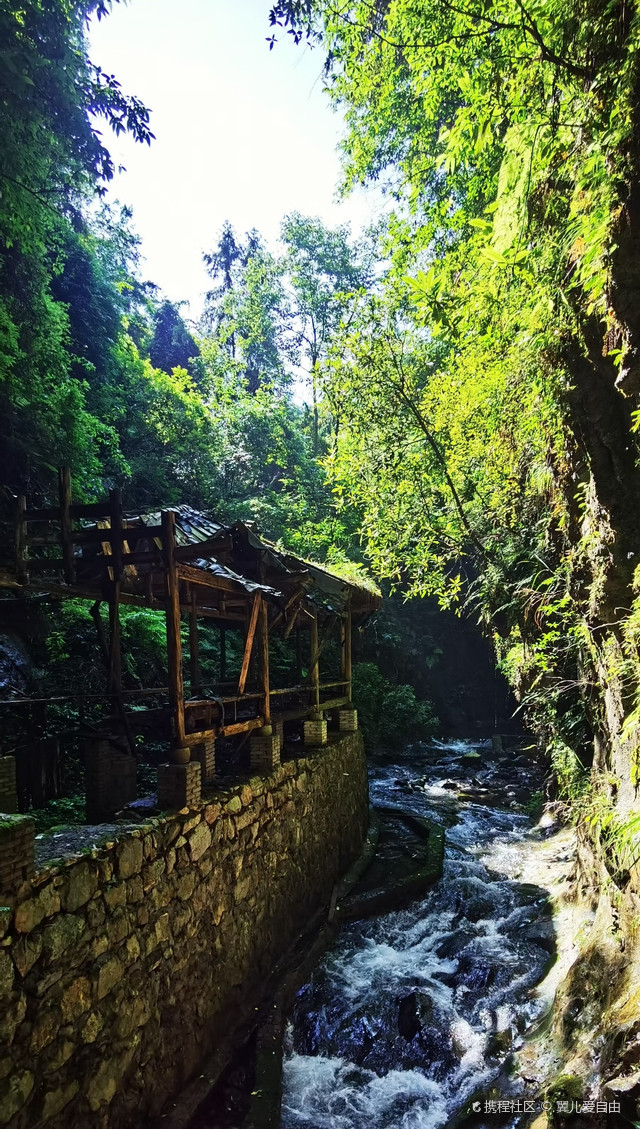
[298, 674]
[194, 645]
[174, 640]
[347, 654]
[111, 654]
[315, 666]
[115, 656]
[115, 515]
[264, 661]
[223, 654]
[21, 540]
[248, 646]
[66, 523]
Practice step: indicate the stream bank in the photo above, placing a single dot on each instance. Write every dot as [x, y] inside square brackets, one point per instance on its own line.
[414, 1016]
[502, 997]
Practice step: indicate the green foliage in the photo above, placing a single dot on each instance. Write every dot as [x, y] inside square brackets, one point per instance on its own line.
[570, 773]
[534, 804]
[245, 322]
[466, 379]
[390, 715]
[171, 346]
[53, 159]
[100, 371]
[56, 815]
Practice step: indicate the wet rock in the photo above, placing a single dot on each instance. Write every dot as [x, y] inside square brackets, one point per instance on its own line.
[409, 1024]
[479, 908]
[15, 664]
[475, 973]
[522, 795]
[452, 944]
[541, 933]
[500, 1042]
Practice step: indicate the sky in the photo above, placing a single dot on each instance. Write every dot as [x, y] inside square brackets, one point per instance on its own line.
[243, 133]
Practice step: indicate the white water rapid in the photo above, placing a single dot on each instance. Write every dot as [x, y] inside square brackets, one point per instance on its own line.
[412, 1013]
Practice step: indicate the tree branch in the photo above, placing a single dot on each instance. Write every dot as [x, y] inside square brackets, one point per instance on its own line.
[435, 447]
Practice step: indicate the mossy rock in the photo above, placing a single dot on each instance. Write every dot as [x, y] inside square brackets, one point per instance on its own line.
[564, 1088]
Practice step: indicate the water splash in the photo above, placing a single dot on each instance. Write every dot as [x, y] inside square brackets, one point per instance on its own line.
[413, 1012]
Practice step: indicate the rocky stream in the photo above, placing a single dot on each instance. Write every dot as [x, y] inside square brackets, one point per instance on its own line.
[438, 1014]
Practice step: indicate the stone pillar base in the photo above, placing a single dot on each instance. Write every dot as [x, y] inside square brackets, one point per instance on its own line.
[347, 720]
[205, 755]
[315, 732]
[17, 834]
[264, 751]
[8, 789]
[110, 780]
[179, 786]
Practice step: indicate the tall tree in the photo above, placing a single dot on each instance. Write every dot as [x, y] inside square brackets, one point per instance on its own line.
[246, 318]
[171, 346]
[323, 271]
[53, 159]
[498, 379]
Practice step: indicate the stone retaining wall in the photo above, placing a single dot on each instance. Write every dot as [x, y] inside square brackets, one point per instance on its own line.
[122, 970]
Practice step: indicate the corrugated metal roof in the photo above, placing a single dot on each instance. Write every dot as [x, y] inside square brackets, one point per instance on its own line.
[192, 526]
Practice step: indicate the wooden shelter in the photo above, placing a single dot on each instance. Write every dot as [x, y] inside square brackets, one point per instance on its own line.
[191, 566]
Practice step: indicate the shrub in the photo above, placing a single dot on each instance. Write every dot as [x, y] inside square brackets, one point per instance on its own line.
[390, 714]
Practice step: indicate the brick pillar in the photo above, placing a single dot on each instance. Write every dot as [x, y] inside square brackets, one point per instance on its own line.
[347, 720]
[17, 834]
[315, 731]
[264, 751]
[110, 780]
[179, 786]
[278, 729]
[205, 755]
[8, 789]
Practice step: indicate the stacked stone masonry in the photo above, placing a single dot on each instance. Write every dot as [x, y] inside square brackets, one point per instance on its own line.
[8, 791]
[123, 970]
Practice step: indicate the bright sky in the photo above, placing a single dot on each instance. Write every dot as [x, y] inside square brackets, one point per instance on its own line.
[242, 133]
